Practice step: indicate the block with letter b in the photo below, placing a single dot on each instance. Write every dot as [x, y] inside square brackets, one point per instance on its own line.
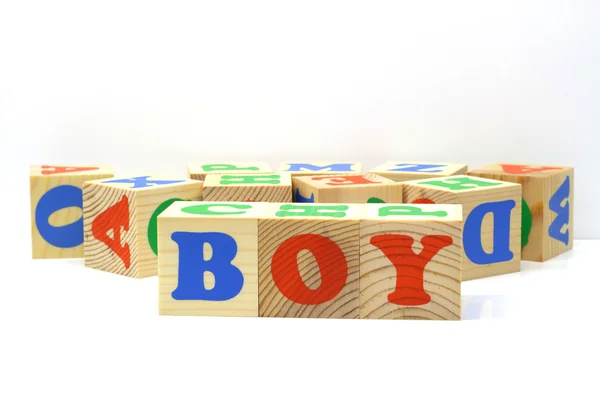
[364, 188]
[208, 260]
[491, 217]
[199, 171]
[547, 216]
[249, 187]
[56, 208]
[410, 261]
[120, 221]
[401, 171]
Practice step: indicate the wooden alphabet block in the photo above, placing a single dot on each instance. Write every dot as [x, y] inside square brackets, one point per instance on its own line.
[410, 261]
[365, 188]
[208, 259]
[308, 261]
[198, 171]
[320, 168]
[547, 217]
[401, 171]
[491, 215]
[56, 208]
[120, 221]
[272, 188]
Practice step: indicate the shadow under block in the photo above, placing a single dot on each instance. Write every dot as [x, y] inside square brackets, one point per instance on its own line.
[491, 215]
[365, 188]
[56, 208]
[547, 217]
[120, 221]
[199, 171]
[274, 188]
[401, 171]
[208, 259]
[410, 262]
[308, 261]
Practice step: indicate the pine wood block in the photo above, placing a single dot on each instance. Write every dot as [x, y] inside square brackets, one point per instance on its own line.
[365, 188]
[208, 259]
[56, 208]
[491, 215]
[308, 260]
[401, 171]
[120, 221]
[410, 261]
[249, 187]
[547, 217]
[320, 168]
[199, 171]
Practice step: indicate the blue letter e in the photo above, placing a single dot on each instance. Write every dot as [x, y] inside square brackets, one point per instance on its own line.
[229, 280]
[501, 241]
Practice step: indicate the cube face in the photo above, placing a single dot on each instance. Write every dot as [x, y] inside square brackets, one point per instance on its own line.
[248, 188]
[120, 221]
[308, 261]
[547, 218]
[320, 168]
[401, 171]
[208, 260]
[491, 215]
[199, 171]
[363, 188]
[410, 262]
[56, 208]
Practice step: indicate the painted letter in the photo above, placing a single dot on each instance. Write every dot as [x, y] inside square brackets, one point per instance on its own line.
[523, 169]
[53, 200]
[427, 168]
[302, 199]
[114, 218]
[250, 179]
[460, 183]
[226, 167]
[312, 167]
[562, 217]
[344, 180]
[63, 170]
[208, 209]
[408, 211]
[293, 210]
[142, 182]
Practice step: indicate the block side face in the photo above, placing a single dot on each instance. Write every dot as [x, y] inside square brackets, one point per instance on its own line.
[376, 193]
[110, 229]
[414, 212]
[303, 192]
[199, 171]
[215, 210]
[208, 267]
[320, 168]
[308, 268]
[340, 181]
[416, 194]
[317, 211]
[139, 183]
[56, 215]
[461, 183]
[273, 193]
[245, 180]
[399, 280]
[530, 170]
[89, 171]
[557, 228]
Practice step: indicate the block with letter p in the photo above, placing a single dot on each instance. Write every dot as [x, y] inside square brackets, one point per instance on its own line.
[120, 220]
[271, 188]
[410, 261]
[491, 217]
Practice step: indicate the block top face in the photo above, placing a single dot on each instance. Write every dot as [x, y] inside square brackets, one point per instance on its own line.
[216, 209]
[414, 212]
[235, 180]
[339, 181]
[70, 170]
[460, 183]
[320, 168]
[418, 168]
[522, 169]
[143, 182]
[313, 211]
[229, 168]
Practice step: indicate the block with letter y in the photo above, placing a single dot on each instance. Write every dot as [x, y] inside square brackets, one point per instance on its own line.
[410, 261]
[120, 220]
[491, 217]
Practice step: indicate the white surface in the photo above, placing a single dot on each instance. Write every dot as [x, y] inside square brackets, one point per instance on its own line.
[71, 332]
[148, 86]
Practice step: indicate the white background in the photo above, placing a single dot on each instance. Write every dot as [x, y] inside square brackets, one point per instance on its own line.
[149, 86]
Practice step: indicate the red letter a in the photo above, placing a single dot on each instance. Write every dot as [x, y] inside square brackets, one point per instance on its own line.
[523, 169]
[115, 217]
[409, 266]
[63, 170]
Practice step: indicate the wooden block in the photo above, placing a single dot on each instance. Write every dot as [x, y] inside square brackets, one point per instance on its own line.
[410, 261]
[56, 208]
[401, 171]
[208, 259]
[308, 260]
[120, 217]
[320, 168]
[547, 217]
[491, 215]
[365, 188]
[198, 171]
[249, 187]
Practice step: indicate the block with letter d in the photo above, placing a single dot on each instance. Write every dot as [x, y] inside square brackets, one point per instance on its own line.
[199, 171]
[401, 171]
[120, 220]
[491, 217]
[410, 261]
[56, 208]
[248, 187]
[547, 216]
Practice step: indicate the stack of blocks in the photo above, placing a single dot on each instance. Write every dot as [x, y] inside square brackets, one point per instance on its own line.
[394, 243]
